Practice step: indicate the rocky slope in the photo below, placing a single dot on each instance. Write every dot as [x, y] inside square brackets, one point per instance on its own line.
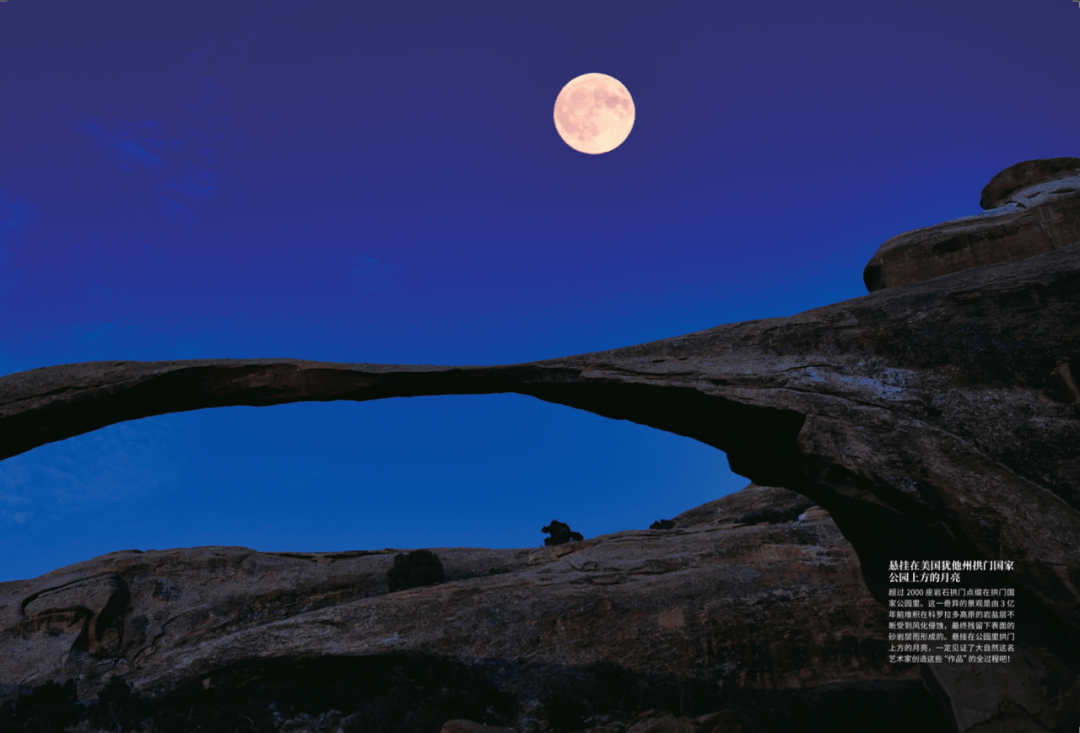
[749, 604]
[935, 418]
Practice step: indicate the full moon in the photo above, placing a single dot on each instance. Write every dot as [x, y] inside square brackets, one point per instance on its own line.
[594, 113]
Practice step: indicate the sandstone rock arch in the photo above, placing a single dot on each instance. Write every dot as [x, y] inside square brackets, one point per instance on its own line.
[898, 412]
[935, 420]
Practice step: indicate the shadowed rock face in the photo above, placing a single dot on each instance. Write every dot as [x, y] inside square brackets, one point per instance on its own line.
[934, 420]
[711, 614]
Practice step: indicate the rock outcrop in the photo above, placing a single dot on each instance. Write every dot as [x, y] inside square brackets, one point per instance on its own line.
[933, 420]
[1006, 186]
[1033, 207]
[727, 610]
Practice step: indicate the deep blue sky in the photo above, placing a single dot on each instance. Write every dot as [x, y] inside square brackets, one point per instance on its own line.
[363, 182]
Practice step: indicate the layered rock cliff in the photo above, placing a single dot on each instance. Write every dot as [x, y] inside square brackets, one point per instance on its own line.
[727, 610]
[936, 418]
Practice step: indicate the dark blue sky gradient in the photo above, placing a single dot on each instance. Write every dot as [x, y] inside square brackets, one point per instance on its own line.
[354, 182]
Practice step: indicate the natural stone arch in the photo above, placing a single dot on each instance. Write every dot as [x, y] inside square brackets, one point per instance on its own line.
[897, 412]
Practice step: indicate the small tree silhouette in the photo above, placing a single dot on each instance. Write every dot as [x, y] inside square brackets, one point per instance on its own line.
[416, 569]
[662, 524]
[560, 533]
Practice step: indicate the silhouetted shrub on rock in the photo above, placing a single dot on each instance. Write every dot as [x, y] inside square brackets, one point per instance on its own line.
[560, 533]
[662, 524]
[417, 568]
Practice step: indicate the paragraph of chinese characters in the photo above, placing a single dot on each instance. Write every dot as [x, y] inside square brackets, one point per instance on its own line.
[951, 621]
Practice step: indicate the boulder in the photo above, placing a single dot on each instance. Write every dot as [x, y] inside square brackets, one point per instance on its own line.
[938, 420]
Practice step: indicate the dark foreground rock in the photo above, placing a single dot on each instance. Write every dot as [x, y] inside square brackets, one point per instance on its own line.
[937, 420]
[741, 606]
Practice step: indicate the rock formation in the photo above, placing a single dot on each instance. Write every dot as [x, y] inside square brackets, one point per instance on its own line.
[935, 418]
[1032, 207]
[711, 614]
[1008, 185]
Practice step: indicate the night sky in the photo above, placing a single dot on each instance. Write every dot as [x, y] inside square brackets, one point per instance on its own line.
[384, 183]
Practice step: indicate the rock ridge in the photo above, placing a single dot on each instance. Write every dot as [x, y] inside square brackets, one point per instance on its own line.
[532, 618]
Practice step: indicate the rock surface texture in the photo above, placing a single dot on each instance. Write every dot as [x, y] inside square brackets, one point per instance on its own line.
[1033, 207]
[1005, 186]
[763, 612]
[937, 418]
